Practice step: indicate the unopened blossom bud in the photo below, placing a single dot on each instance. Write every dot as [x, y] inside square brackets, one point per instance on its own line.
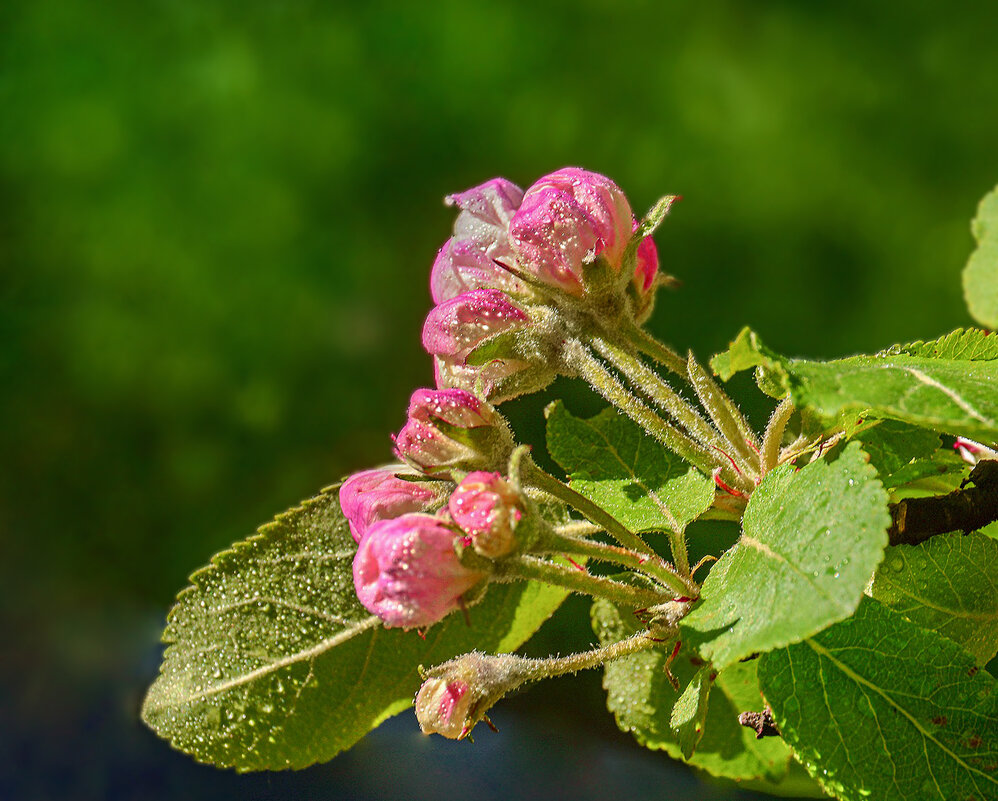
[487, 509]
[973, 452]
[457, 694]
[481, 239]
[407, 571]
[381, 494]
[484, 343]
[456, 327]
[486, 210]
[442, 707]
[463, 265]
[451, 428]
[566, 220]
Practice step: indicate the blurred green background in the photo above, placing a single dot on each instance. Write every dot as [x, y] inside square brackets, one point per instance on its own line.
[216, 227]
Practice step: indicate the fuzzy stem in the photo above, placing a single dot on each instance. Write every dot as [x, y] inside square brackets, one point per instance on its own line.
[588, 367]
[652, 385]
[651, 566]
[578, 528]
[648, 345]
[559, 666]
[543, 480]
[726, 416]
[770, 454]
[530, 568]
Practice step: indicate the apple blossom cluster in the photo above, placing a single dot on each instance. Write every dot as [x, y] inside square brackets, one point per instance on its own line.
[517, 267]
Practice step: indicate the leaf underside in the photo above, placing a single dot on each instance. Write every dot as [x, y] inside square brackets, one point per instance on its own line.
[273, 663]
[980, 276]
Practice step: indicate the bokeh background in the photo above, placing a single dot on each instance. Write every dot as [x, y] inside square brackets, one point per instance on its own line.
[216, 226]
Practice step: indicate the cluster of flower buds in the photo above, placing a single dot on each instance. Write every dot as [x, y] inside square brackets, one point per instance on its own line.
[412, 524]
[501, 284]
[515, 257]
[411, 567]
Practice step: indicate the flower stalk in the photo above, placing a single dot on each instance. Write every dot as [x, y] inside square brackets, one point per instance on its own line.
[531, 568]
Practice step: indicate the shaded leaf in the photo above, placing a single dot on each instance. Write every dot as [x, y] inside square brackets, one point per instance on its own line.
[641, 699]
[980, 276]
[273, 663]
[949, 584]
[615, 464]
[690, 712]
[810, 540]
[893, 445]
[876, 707]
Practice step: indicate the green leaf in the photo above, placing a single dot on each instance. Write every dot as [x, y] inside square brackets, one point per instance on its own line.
[744, 352]
[968, 345]
[878, 708]
[641, 699]
[810, 540]
[949, 584]
[615, 464]
[893, 445]
[949, 385]
[690, 712]
[273, 663]
[980, 276]
[937, 474]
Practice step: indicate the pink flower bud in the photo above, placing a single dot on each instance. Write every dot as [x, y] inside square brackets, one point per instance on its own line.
[566, 220]
[486, 508]
[457, 694]
[468, 260]
[407, 572]
[463, 265]
[973, 452]
[373, 495]
[644, 279]
[442, 707]
[452, 428]
[485, 214]
[456, 327]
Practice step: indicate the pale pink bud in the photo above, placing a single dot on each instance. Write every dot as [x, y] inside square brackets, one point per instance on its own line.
[487, 508]
[457, 694]
[373, 495]
[566, 220]
[452, 428]
[468, 260]
[456, 327]
[442, 707]
[463, 265]
[973, 452]
[408, 573]
[485, 214]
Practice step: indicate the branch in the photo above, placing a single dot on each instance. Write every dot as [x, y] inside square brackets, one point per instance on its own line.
[967, 509]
